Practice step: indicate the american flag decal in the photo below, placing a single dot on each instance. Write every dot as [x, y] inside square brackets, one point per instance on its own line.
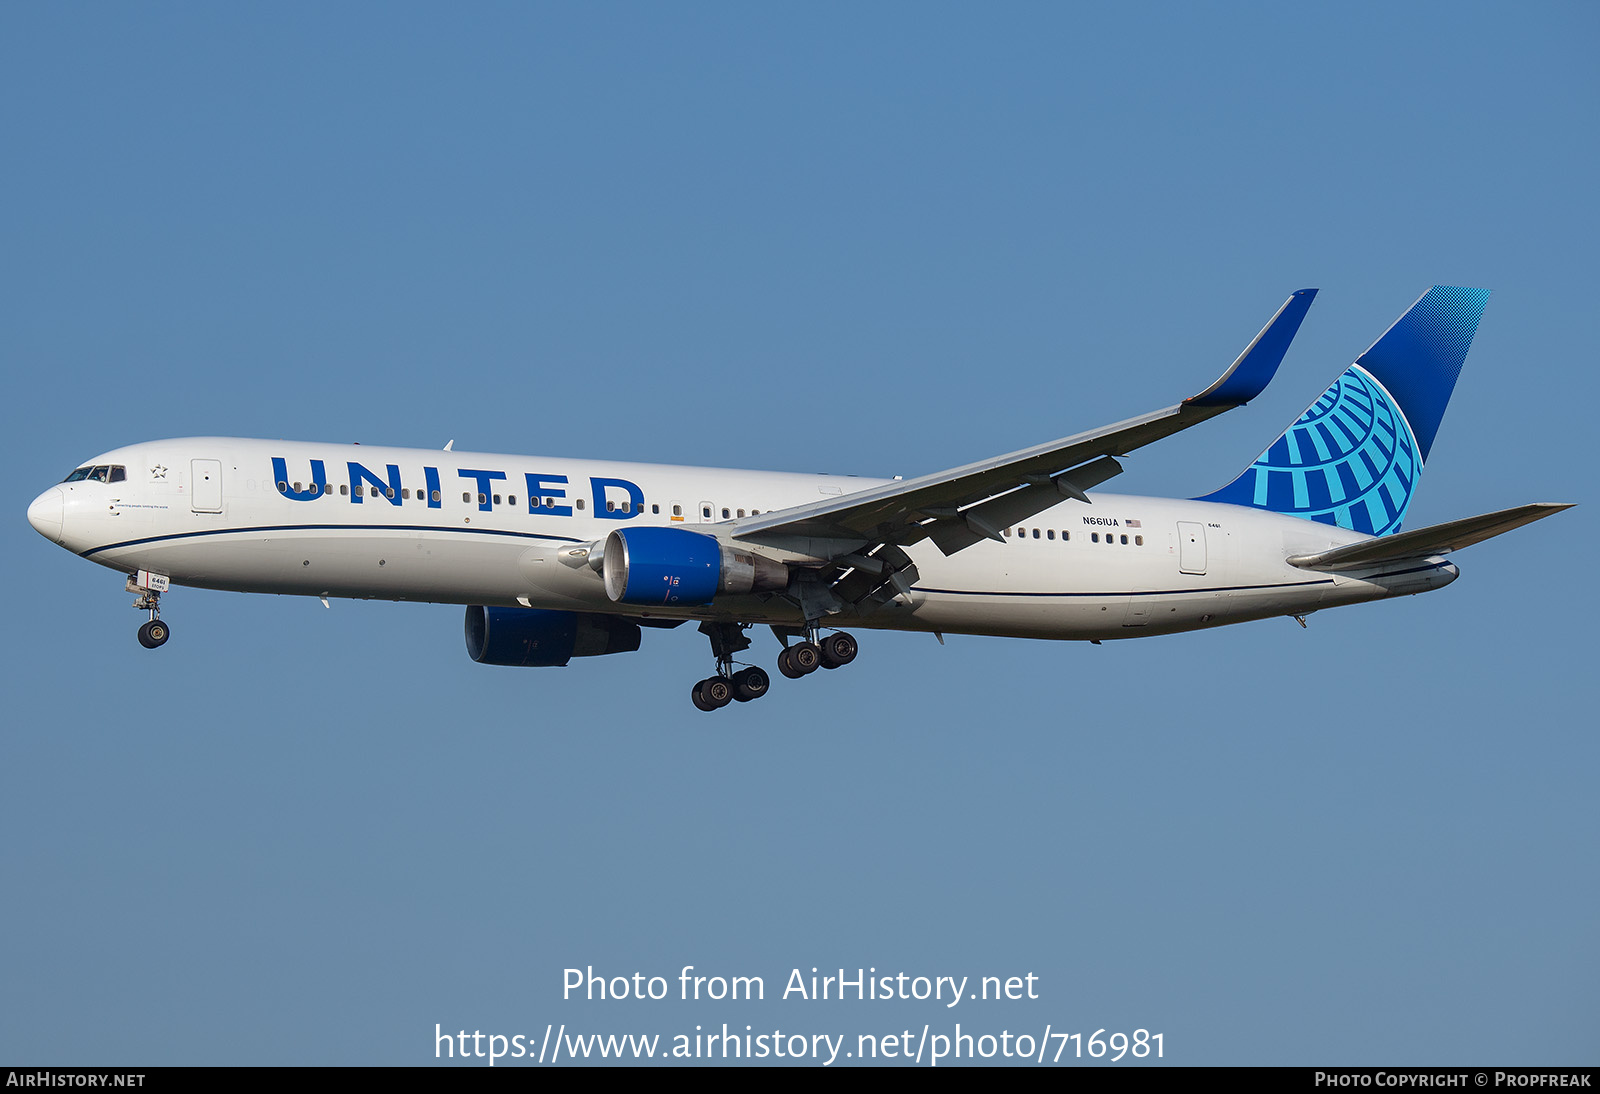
[1132, 524]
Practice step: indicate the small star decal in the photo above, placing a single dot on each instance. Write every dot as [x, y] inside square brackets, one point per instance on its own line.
[158, 472]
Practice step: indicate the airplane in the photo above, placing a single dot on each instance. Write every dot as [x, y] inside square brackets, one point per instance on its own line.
[560, 558]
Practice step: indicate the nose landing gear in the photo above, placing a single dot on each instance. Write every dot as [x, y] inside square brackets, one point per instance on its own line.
[150, 587]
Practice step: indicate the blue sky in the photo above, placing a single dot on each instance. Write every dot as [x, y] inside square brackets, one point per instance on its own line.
[880, 240]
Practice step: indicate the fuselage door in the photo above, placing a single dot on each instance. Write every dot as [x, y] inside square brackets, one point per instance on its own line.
[1191, 547]
[205, 491]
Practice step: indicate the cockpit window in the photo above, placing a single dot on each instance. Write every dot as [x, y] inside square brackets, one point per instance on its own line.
[98, 473]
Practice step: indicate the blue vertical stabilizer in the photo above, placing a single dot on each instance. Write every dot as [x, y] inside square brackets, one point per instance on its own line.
[1354, 457]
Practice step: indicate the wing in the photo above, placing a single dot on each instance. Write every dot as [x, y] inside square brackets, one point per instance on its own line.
[961, 506]
[1436, 539]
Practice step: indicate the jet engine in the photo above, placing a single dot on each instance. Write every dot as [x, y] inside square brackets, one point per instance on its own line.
[674, 566]
[535, 637]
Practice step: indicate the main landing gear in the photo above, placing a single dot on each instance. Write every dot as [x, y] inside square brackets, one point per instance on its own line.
[728, 686]
[155, 632]
[802, 659]
[722, 689]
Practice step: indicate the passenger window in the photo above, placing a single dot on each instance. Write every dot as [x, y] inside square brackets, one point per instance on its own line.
[1094, 537]
[343, 490]
[724, 514]
[388, 492]
[405, 493]
[677, 510]
[580, 503]
[1008, 533]
[483, 499]
[655, 508]
[1036, 533]
[511, 499]
[1124, 541]
[466, 497]
[283, 487]
[705, 511]
[1138, 541]
[627, 506]
[741, 512]
[611, 506]
[1050, 534]
[497, 499]
[1066, 535]
[435, 494]
[297, 488]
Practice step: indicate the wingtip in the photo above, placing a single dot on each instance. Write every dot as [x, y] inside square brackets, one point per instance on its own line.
[1255, 367]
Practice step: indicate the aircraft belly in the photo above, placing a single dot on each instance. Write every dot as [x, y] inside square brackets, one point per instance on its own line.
[392, 566]
[1040, 616]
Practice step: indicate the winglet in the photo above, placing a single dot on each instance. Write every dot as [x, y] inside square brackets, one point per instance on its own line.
[1259, 362]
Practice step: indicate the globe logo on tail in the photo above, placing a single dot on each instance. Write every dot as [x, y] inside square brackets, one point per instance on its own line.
[1350, 460]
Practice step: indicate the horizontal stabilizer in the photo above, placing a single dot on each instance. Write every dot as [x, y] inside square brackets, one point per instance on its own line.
[1436, 539]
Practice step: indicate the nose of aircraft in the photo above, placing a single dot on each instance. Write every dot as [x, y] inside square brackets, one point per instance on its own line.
[45, 514]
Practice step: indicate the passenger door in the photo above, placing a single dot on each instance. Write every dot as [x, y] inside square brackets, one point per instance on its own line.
[205, 486]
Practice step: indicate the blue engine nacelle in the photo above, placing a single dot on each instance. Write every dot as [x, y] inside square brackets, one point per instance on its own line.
[677, 567]
[534, 637]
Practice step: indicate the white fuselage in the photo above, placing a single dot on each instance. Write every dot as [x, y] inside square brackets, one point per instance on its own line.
[463, 528]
